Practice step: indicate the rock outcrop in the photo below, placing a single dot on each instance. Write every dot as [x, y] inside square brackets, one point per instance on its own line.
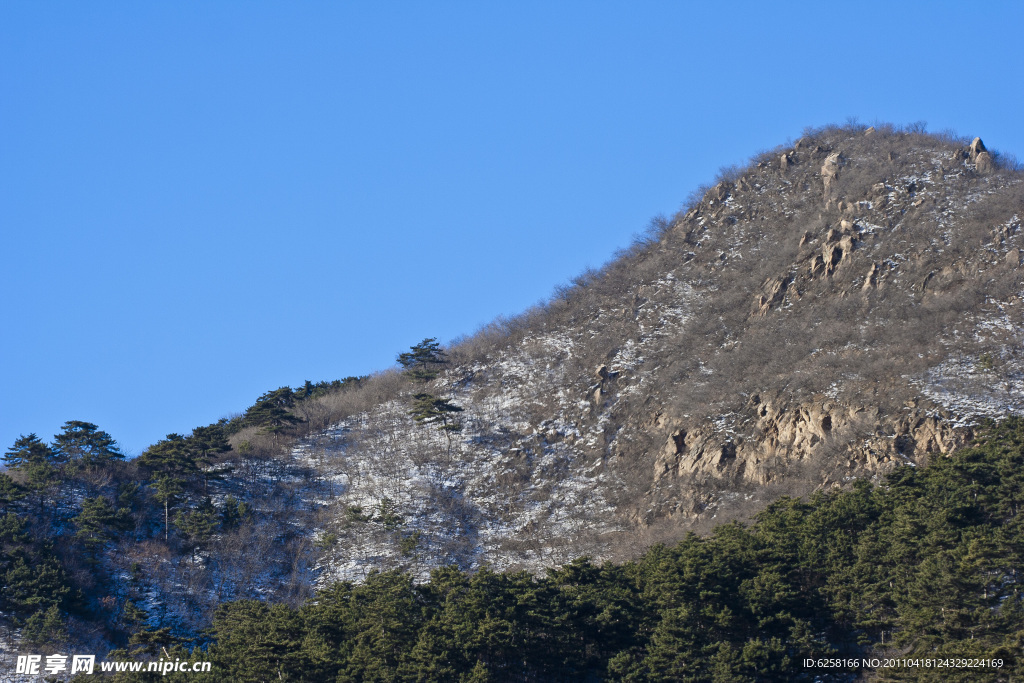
[787, 435]
[830, 172]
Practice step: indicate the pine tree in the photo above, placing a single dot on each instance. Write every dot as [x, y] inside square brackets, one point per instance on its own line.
[427, 409]
[28, 450]
[83, 442]
[197, 525]
[171, 456]
[421, 362]
[34, 581]
[234, 513]
[10, 493]
[38, 462]
[45, 627]
[166, 491]
[205, 444]
[97, 523]
[271, 413]
[171, 463]
[132, 618]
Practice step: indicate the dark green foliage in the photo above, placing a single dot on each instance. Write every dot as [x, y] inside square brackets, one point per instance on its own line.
[354, 514]
[170, 457]
[257, 642]
[84, 443]
[45, 627]
[39, 464]
[271, 412]
[422, 362]
[96, 524]
[171, 462]
[927, 565]
[427, 409]
[234, 513]
[208, 442]
[387, 514]
[10, 493]
[133, 618]
[315, 390]
[167, 490]
[35, 581]
[199, 524]
[932, 560]
[28, 450]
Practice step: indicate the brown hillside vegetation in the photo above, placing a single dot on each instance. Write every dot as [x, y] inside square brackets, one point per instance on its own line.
[839, 306]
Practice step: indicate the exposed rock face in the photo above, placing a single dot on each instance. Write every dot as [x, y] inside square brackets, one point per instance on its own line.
[830, 172]
[720, 192]
[871, 279]
[984, 162]
[980, 156]
[811, 433]
[976, 148]
[774, 292]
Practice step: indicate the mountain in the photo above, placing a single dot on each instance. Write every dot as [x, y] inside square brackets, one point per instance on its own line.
[835, 309]
[839, 308]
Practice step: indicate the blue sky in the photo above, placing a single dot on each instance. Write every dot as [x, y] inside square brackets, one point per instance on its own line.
[203, 201]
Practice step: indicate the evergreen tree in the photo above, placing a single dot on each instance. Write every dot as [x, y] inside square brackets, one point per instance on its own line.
[167, 489]
[10, 493]
[234, 513]
[46, 627]
[35, 581]
[427, 409]
[170, 462]
[37, 461]
[83, 442]
[257, 642]
[197, 525]
[206, 443]
[422, 362]
[28, 450]
[96, 524]
[170, 456]
[132, 618]
[43, 478]
[271, 412]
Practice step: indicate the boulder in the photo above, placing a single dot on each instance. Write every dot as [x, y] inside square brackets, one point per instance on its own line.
[774, 294]
[983, 162]
[871, 280]
[721, 191]
[977, 147]
[830, 169]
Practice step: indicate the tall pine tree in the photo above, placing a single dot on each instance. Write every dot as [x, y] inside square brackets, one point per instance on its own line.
[85, 443]
[423, 362]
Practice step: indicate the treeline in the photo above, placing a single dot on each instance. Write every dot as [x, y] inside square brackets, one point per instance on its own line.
[927, 565]
[72, 510]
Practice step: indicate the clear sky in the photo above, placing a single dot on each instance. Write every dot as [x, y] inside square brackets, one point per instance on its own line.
[200, 202]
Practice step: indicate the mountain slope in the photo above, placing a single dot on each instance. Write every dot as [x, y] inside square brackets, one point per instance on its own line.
[840, 306]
